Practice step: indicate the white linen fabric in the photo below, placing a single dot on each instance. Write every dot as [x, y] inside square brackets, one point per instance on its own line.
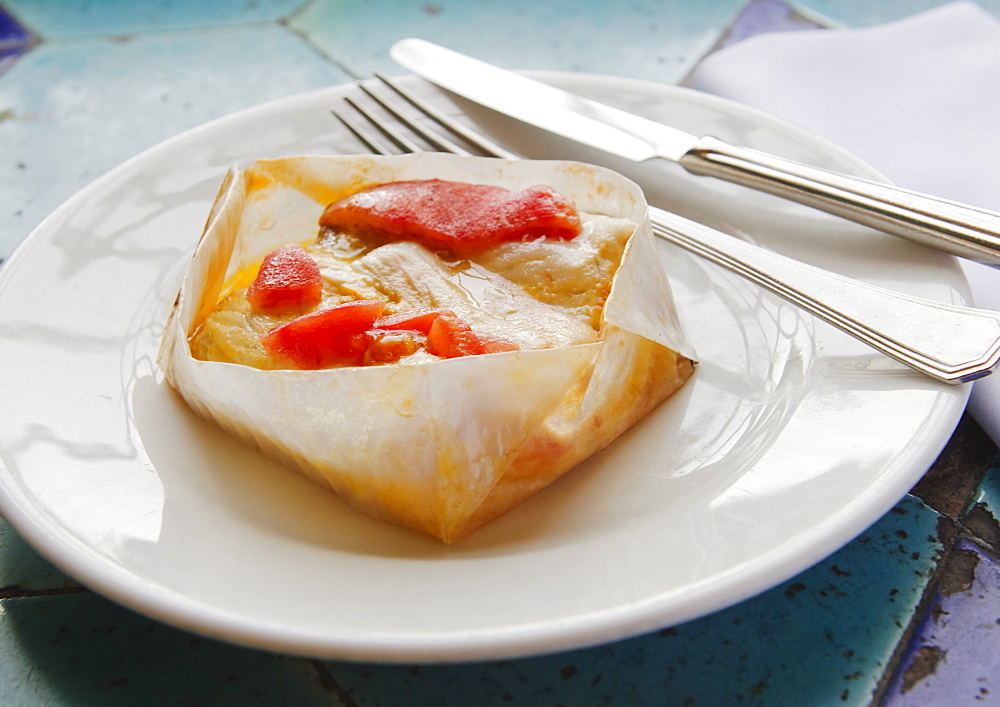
[919, 99]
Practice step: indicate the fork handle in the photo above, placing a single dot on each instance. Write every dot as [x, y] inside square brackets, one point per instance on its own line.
[956, 228]
[951, 343]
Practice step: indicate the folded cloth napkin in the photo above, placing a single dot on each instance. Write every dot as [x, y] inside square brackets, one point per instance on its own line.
[919, 99]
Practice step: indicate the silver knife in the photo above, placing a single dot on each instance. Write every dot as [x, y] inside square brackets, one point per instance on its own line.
[956, 228]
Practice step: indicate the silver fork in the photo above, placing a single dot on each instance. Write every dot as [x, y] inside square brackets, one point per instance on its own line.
[947, 342]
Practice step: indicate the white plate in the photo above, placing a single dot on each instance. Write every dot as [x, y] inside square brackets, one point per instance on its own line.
[790, 440]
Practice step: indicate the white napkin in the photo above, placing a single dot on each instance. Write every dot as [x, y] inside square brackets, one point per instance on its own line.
[919, 99]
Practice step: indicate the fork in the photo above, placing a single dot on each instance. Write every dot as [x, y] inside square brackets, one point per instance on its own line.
[949, 343]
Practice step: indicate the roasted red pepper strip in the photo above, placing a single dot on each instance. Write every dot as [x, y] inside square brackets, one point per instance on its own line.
[354, 334]
[288, 279]
[461, 218]
[329, 337]
[491, 345]
[450, 337]
[415, 319]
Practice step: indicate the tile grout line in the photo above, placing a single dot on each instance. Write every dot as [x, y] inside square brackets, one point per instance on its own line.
[15, 591]
[329, 683]
[286, 24]
[945, 566]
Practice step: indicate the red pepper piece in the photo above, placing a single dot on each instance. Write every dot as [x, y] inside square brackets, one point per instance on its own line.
[491, 345]
[450, 337]
[414, 319]
[288, 279]
[454, 216]
[329, 337]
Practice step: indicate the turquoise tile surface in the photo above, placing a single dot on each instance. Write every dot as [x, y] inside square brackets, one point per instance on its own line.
[649, 40]
[69, 18]
[72, 110]
[861, 13]
[989, 493]
[23, 571]
[81, 649]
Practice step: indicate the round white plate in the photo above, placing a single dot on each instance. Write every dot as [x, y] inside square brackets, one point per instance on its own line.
[790, 439]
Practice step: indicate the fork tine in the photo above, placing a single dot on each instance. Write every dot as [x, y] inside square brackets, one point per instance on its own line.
[473, 138]
[437, 140]
[403, 142]
[375, 145]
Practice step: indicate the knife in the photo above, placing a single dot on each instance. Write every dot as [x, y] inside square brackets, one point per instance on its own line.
[947, 225]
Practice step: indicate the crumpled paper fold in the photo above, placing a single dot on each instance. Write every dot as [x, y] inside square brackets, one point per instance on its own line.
[441, 446]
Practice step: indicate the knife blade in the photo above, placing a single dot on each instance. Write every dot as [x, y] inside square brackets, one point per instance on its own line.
[956, 228]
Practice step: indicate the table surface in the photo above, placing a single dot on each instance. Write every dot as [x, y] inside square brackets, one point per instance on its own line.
[907, 613]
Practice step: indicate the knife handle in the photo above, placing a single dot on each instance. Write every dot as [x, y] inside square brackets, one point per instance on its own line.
[958, 229]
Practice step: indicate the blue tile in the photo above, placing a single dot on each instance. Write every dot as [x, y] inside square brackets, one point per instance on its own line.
[760, 17]
[642, 39]
[981, 520]
[951, 658]
[989, 492]
[863, 13]
[15, 40]
[68, 18]
[72, 110]
[767, 16]
[24, 571]
[83, 650]
[11, 31]
[824, 637]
